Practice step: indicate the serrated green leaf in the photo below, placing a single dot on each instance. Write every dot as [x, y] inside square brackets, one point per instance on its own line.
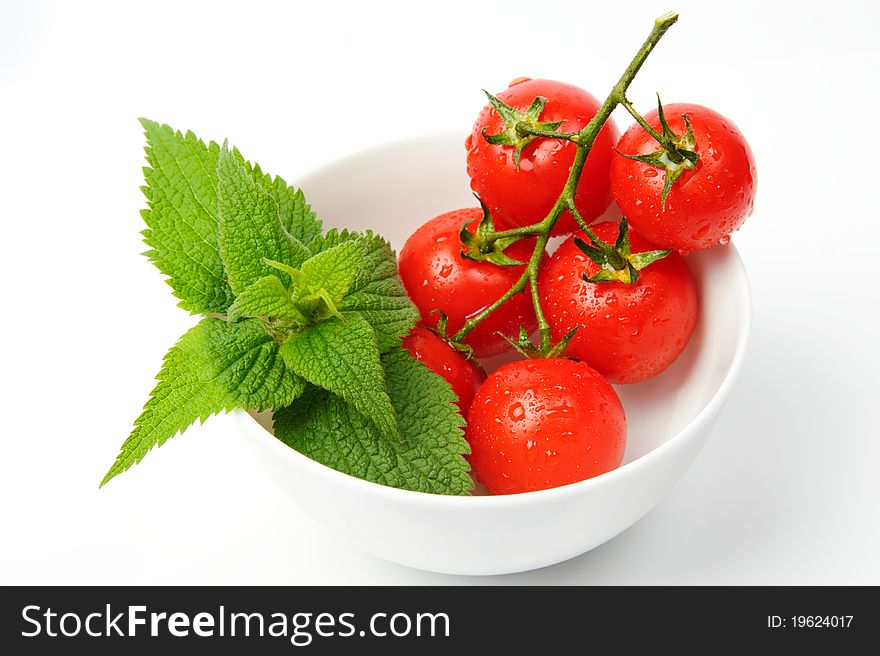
[332, 270]
[215, 366]
[267, 297]
[332, 238]
[297, 217]
[250, 226]
[181, 192]
[343, 357]
[378, 295]
[429, 458]
[248, 359]
[323, 280]
[182, 215]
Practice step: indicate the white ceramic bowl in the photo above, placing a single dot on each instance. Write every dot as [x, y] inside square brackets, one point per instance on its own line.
[393, 189]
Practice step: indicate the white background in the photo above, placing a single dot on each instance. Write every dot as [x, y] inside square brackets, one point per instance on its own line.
[786, 492]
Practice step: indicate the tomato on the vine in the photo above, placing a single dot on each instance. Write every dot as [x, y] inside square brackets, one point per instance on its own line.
[628, 332]
[524, 194]
[437, 277]
[463, 376]
[537, 424]
[706, 203]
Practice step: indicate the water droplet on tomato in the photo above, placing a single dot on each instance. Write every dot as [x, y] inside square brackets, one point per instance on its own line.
[445, 270]
[526, 165]
[516, 412]
[650, 173]
[532, 453]
[701, 232]
[725, 240]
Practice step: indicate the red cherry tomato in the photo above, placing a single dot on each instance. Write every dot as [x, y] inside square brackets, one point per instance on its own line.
[706, 203]
[629, 332]
[537, 424]
[436, 276]
[517, 197]
[464, 377]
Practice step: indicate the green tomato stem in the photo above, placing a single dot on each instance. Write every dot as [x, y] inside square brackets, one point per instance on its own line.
[529, 130]
[523, 231]
[583, 141]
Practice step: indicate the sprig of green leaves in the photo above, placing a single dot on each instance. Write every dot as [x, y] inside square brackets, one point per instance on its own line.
[303, 322]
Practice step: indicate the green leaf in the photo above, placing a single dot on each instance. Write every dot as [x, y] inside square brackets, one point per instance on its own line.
[378, 295]
[267, 297]
[215, 366]
[248, 361]
[331, 239]
[250, 226]
[181, 192]
[429, 458]
[332, 270]
[343, 357]
[297, 217]
[323, 280]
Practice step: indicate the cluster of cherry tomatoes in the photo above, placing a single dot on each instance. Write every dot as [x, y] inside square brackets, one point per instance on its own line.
[544, 422]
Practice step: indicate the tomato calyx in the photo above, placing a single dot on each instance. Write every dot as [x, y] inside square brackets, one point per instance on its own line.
[522, 128]
[441, 331]
[677, 155]
[616, 262]
[482, 246]
[525, 347]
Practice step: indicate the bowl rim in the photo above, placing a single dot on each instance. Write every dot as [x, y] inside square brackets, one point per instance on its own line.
[709, 410]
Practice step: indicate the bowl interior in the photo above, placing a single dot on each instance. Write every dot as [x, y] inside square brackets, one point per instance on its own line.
[396, 187]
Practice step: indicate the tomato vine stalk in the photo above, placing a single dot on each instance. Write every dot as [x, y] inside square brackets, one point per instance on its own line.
[583, 141]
